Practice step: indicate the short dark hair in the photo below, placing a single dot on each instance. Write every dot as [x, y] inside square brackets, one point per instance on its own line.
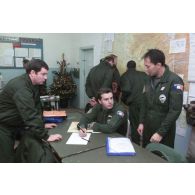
[109, 58]
[36, 65]
[156, 56]
[131, 64]
[103, 91]
[25, 61]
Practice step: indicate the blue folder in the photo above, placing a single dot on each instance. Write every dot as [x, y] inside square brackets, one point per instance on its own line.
[53, 119]
[120, 146]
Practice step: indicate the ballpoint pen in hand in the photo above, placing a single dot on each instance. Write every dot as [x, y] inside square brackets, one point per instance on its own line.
[81, 128]
[83, 132]
[85, 139]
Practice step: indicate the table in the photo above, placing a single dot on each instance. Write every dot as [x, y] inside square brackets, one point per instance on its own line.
[95, 150]
[100, 156]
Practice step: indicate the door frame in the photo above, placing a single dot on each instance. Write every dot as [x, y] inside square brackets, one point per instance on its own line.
[82, 79]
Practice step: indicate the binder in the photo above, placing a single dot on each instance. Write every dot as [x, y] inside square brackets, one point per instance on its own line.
[54, 116]
[120, 146]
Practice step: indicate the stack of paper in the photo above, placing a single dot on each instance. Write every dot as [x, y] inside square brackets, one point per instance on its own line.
[75, 139]
[119, 147]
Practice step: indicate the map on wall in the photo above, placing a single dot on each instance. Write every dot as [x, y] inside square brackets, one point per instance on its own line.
[132, 46]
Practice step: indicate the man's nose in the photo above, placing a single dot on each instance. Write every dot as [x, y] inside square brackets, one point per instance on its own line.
[109, 101]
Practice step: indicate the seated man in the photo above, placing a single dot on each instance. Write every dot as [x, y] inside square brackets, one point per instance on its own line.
[106, 117]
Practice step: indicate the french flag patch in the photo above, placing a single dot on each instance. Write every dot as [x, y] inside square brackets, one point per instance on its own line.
[178, 87]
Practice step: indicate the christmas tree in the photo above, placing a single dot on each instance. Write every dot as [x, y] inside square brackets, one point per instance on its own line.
[63, 84]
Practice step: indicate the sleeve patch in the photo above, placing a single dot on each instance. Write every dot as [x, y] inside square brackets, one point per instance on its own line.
[178, 87]
[120, 113]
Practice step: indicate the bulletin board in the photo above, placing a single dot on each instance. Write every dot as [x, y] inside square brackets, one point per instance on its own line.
[14, 49]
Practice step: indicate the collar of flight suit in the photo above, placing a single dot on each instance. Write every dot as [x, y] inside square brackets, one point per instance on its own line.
[27, 78]
[107, 111]
[165, 76]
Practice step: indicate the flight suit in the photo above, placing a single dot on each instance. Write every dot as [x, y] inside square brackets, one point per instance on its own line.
[116, 90]
[162, 105]
[132, 83]
[100, 76]
[20, 107]
[106, 121]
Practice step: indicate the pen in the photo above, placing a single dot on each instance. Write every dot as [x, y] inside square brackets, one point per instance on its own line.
[81, 128]
[85, 139]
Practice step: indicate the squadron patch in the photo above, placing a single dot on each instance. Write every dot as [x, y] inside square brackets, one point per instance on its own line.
[120, 113]
[178, 86]
[162, 98]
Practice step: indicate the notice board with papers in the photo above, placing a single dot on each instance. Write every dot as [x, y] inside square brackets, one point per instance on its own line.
[13, 50]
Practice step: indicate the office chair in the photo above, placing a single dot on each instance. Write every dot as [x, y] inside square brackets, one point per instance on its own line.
[166, 153]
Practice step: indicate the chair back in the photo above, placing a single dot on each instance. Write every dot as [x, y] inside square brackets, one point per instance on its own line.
[166, 152]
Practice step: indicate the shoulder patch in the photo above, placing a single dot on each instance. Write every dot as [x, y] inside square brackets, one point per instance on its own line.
[120, 113]
[178, 87]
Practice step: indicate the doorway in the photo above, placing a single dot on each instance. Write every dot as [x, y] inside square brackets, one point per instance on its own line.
[86, 63]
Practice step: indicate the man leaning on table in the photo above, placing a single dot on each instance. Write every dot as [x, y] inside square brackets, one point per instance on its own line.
[106, 117]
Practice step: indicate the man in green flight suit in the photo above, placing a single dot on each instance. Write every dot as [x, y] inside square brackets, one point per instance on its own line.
[105, 117]
[132, 83]
[100, 76]
[162, 101]
[20, 107]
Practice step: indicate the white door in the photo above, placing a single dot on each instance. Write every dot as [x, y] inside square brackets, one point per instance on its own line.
[86, 63]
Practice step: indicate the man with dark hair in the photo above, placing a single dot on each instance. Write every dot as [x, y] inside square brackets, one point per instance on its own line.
[162, 102]
[20, 107]
[100, 76]
[25, 63]
[106, 117]
[132, 83]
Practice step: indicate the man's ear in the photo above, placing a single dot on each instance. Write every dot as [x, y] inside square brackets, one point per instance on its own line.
[32, 72]
[99, 101]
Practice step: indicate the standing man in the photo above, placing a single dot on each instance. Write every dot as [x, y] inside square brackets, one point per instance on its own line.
[163, 99]
[20, 107]
[132, 83]
[100, 76]
[116, 80]
[106, 117]
[25, 63]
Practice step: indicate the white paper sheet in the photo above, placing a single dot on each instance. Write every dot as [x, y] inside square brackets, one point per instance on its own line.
[19, 62]
[21, 52]
[191, 92]
[75, 139]
[73, 128]
[34, 53]
[191, 66]
[177, 46]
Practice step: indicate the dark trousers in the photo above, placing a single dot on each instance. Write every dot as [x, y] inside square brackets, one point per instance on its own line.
[32, 150]
[7, 140]
[29, 150]
[134, 111]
